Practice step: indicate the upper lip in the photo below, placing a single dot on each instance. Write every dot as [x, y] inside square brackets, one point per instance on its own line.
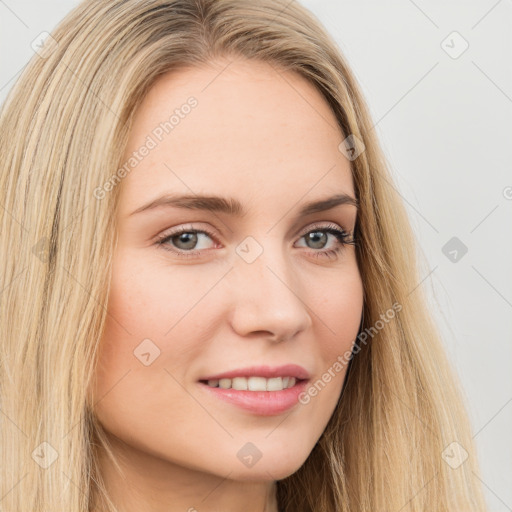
[286, 370]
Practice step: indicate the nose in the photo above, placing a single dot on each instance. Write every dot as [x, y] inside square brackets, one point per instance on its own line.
[267, 299]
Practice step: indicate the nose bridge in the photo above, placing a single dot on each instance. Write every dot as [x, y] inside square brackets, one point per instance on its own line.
[267, 295]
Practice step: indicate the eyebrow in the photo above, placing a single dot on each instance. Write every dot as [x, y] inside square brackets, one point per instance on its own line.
[233, 207]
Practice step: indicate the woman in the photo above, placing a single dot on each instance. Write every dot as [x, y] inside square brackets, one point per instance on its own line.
[210, 290]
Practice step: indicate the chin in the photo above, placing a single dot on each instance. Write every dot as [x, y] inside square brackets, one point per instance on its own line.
[273, 467]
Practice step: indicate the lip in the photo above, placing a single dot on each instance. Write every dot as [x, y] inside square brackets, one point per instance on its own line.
[262, 403]
[286, 370]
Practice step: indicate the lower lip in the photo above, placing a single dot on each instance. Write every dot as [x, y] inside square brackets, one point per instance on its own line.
[263, 403]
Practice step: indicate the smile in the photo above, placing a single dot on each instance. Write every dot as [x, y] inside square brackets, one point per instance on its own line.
[254, 383]
[257, 401]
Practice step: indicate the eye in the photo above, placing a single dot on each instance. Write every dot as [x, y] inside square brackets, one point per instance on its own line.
[184, 241]
[318, 238]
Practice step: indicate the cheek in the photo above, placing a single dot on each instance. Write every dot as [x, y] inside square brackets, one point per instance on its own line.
[133, 317]
[338, 311]
[148, 312]
[142, 326]
[150, 297]
[146, 300]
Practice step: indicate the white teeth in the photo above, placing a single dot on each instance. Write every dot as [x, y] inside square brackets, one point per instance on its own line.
[275, 384]
[257, 384]
[224, 383]
[254, 383]
[239, 383]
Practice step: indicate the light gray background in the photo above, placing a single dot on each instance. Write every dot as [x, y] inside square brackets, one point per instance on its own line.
[445, 125]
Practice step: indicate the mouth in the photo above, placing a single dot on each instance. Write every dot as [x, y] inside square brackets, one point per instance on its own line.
[258, 395]
[253, 383]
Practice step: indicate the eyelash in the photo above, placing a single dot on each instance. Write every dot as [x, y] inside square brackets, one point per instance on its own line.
[343, 237]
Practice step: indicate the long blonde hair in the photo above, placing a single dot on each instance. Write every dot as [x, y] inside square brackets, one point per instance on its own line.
[63, 129]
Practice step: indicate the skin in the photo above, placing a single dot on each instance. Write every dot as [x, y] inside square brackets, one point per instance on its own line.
[271, 141]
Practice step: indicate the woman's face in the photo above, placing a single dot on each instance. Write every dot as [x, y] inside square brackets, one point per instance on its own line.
[258, 286]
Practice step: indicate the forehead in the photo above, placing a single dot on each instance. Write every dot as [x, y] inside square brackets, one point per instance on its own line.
[254, 131]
